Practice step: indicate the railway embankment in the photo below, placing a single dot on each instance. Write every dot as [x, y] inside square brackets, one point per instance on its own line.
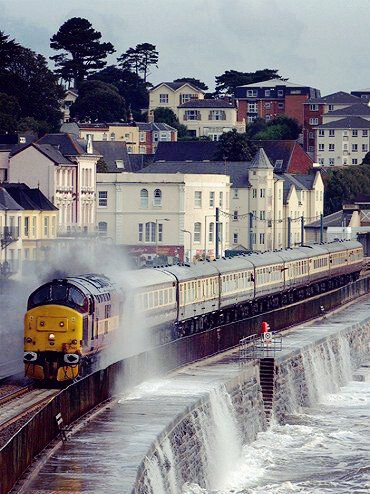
[81, 397]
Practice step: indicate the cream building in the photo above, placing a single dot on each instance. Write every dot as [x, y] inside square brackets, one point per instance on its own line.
[209, 117]
[121, 132]
[65, 172]
[163, 216]
[171, 95]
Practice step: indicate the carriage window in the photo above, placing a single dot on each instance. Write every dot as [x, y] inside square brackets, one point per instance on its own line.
[155, 299]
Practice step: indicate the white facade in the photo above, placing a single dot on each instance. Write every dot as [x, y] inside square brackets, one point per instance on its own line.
[165, 96]
[341, 146]
[170, 215]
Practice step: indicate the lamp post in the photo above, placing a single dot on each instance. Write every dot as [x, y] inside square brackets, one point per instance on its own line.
[191, 243]
[156, 236]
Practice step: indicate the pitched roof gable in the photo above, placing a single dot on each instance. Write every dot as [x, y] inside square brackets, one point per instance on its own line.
[174, 86]
[261, 161]
[7, 202]
[355, 110]
[347, 123]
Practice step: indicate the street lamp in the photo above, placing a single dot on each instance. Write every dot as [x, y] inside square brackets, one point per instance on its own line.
[156, 236]
[191, 242]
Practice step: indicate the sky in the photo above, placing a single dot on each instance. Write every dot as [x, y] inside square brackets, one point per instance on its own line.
[319, 43]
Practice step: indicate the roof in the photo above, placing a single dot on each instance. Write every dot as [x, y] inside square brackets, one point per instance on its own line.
[355, 110]
[53, 153]
[280, 154]
[111, 152]
[339, 218]
[7, 202]
[66, 143]
[207, 103]
[300, 182]
[339, 97]
[366, 90]
[155, 126]
[273, 82]
[186, 150]
[29, 199]
[347, 123]
[261, 161]
[176, 85]
[138, 161]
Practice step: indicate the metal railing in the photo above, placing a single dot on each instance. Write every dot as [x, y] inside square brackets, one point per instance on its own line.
[257, 346]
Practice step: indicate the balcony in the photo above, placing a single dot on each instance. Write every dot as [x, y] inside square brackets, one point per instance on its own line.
[8, 235]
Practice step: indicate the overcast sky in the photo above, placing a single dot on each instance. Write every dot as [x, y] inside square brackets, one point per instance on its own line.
[320, 43]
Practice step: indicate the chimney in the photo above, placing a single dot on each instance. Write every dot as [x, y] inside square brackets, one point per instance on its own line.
[89, 145]
[151, 116]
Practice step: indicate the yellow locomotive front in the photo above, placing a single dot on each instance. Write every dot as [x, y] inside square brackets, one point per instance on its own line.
[53, 331]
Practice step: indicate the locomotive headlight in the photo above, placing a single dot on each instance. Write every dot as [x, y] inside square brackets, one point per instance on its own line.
[74, 342]
[42, 323]
[61, 324]
[51, 337]
[29, 340]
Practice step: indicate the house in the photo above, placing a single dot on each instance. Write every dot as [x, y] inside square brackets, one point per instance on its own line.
[268, 99]
[344, 141]
[151, 133]
[267, 210]
[364, 94]
[171, 95]
[315, 108]
[64, 169]
[10, 241]
[162, 218]
[209, 117]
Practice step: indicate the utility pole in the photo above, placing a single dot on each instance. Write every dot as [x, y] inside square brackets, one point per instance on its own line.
[302, 231]
[251, 232]
[321, 228]
[289, 230]
[217, 232]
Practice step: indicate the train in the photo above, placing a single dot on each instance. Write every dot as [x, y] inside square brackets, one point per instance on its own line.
[70, 321]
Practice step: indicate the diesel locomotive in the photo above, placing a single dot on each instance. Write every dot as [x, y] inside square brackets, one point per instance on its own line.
[70, 321]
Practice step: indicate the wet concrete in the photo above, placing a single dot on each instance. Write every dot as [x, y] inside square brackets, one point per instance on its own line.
[105, 454]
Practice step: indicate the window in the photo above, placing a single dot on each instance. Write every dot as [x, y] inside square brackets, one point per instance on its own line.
[187, 97]
[26, 226]
[198, 199]
[192, 115]
[314, 107]
[365, 148]
[46, 226]
[160, 232]
[331, 132]
[103, 198]
[217, 115]
[331, 107]
[235, 216]
[331, 161]
[262, 193]
[235, 193]
[142, 149]
[310, 135]
[113, 136]
[155, 136]
[254, 193]
[354, 133]
[262, 238]
[157, 198]
[262, 215]
[235, 238]
[281, 106]
[354, 161]
[211, 232]
[119, 164]
[267, 118]
[252, 108]
[211, 199]
[140, 232]
[267, 106]
[354, 148]
[280, 92]
[365, 133]
[314, 121]
[220, 199]
[197, 232]
[251, 119]
[163, 98]
[321, 133]
[321, 161]
[321, 147]
[331, 147]
[142, 137]
[150, 231]
[34, 227]
[105, 137]
[251, 93]
[143, 198]
[267, 92]
[102, 227]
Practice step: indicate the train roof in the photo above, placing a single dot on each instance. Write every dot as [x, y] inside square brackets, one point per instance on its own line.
[142, 278]
[198, 270]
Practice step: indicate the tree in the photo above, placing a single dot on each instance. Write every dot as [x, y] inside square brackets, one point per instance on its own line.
[139, 59]
[345, 184]
[83, 53]
[98, 101]
[280, 128]
[130, 86]
[29, 80]
[101, 166]
[366, 160]
[8, 50]
[234, 146]
[194, 82]
[166, 115]
[229, 80]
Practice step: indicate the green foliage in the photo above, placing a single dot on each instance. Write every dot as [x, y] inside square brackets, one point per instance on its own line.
[139, 59]
[166, 115]
[234, 146]
[8, 50]
[281, 127]
[101, 166]
[27, 78]
[345, 184]
[98, 101]
[83, 53]
[130, 86]
[229, 80]
[194, 82]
